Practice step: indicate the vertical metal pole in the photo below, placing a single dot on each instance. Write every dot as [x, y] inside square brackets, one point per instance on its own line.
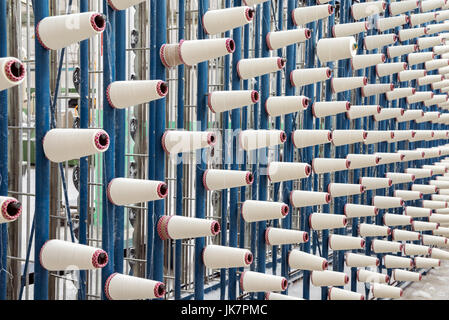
[42, 80]
[200, 191]
[235, 123]
[159, 154]
[109, 126]
[3, 154]
[179, 167]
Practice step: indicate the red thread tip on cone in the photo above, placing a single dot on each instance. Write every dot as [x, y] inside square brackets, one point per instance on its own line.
[328, 198]
[328, 73]
[215, 228]
[283, 137]
[325, 265]
[305, 103]
[348, 164]
[284, 210]
[284, 284]
[159, 290]
[308, 170]
[377, 262]
[281, 63]
[249, 13]
[346, 279]
[249, 178]
[248, 258]
[230, 45]
[362, 243]
[162, 190]
[307, 33]
[305, 237]
[329, 135]
[330, 9]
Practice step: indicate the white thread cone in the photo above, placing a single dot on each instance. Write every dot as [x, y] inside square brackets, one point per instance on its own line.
[441, 185]
[68, 144]
[388, 113]
[435, 64]
[362, 61]
[218, 21]
[436, 169]
[402, 6]
[439, 254]
[382, 202]
[186, 141]
[440, 197]
[284, 38]
[126, 191]
[383, 246]
[421, 135]
[303, 77]
[359, 210]
[331, 49]
[437, 28]
[300, 198]
[428, 5]
[360, 10]
[417, 212]
[285, 171]
[343, 137]
[397, 51]
[379, 41]
[344, 189]
[10, 209]
[429, 80]
[278, 236]
[384, 24]
[427, 42]
[306, 261]
[278, 296]
[408, 195]
[124, 94]
[349, 29]
[431, 204]
[59, 255]
[397, 177]
[386, 158]
[420, 18]
[424, 226]
[404, 275]
[404, 235]
[399, 93]
[179, 227]
[360, 260]
[123, 287]
[375, 89]
[385, 291]
[425, 189]
[341, 294]
[391, 262]
[418, 97]
[251, 281]
[421, 262]
[123, 4]
[338, 242]
[415, 249]
[304, 15]
[408, 34]
[440, 49]
[215, 179]
[256, 139]
[217, 257]
[393, 220]
[277, 106]
[362, 160]
[322, 221]
[327, 165]
[251, 68]
[253, 2]
[348, 83]
[58, 32]
[378, 136]
[221, 101]
[386, 69]
[370, 276]
[439, 85]
[442, 15]
[372, 230]
[437, 241]
[12, 72]
[329, 108]
[328, 278]
[357, 112]
[253, 210]
[410, 155]
[419, 57]
[307, 138]
[371, 183]
[439, 218]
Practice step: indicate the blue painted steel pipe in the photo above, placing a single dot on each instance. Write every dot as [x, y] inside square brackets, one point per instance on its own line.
[200, 191]
[42, 199]
[108, 213]
[179, 167]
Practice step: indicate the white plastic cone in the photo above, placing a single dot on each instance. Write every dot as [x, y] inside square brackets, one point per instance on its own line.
[251, 281]
[379, 41]
[375, 89]
[327, 165]
[278, 236]
[221, 101]
[343, 137]
[331, 49]
[347, 83]
[216, 179]
[277, 106]
[322, 221]
[372, 230]
[391, 262]
[285, 171]
[186, 141]
[393, 220]
[68, 144]
[344, 189]
[421, 262]
[217, 257]
[382, 202]
[179, 227]
[370, 276]
[402, 6]
[303, 77]
[307, 138]
[360, 10]
[397, 51]
[10, 209]
[328, 278]
[221, 20]
[126, 191]
[12, 72]
[341, 294]
[411, 249]
[405, 235]
[404, 275]
[329, 108]
[59, 255]
[383, 246]
[123, 287]
[339, 242]
[362, 61]
[306, 261]
[251, 68]
[357, 112]
[300, 198]
[124, 94]
[360, 260]
[58, 32]
[253, 210]
[380, 290]
[304, 15]
[371, 183]
[284, 38]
